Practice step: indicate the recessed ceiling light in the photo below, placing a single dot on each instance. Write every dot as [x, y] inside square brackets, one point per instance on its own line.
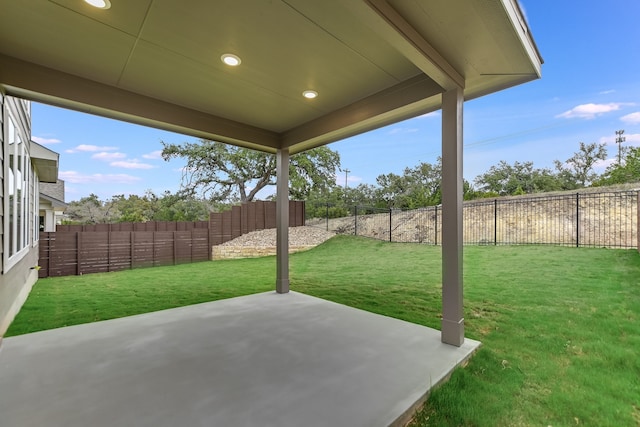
[310, 94]
[230, 59]
[100, 4]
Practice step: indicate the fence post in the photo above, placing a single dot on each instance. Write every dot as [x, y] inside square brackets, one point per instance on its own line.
[109, 248]
[355, 220]
[435, 229]
[390, 217]
[495, 222]
[78, 253]
[577, 220]
[638, 222]
[175, 246]
[327, 216]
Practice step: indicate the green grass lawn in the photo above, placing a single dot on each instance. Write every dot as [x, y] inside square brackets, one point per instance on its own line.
[559, 326]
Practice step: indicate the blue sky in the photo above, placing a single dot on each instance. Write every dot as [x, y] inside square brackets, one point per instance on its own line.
[590, 88]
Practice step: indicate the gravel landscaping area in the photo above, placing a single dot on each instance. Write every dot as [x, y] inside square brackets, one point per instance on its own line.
[298, 236]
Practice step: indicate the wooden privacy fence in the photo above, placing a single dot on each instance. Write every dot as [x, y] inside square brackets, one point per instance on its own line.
[82, 252]
[136, 226]
[248, 217]
[97, 248]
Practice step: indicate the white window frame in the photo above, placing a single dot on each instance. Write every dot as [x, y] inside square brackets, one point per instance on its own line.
[12, 254]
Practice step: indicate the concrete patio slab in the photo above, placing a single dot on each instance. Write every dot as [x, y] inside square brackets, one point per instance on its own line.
[261, 360]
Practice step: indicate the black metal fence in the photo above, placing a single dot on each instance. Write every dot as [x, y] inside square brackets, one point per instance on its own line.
[581, 219]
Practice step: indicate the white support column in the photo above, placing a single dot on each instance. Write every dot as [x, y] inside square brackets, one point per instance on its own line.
[282, 221]
[452, 187]
[49, 220]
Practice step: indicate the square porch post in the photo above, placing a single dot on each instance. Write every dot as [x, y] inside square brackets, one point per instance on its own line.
[452, 188]
[282, 221]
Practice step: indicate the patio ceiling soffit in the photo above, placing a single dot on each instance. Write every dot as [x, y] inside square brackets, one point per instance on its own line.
[406, 83]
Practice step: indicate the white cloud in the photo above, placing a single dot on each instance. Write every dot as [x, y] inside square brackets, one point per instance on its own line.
[590, 111]
[607, 92]
[603, 164]
[45, 141]
[108, 157]
[633, 118]
[351, 179]
[97, 178]
[630, 139]
[131, 164]
[154, 155]
[609, 140]
[90, 148]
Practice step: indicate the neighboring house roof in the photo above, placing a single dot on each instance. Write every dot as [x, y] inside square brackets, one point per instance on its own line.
[55, 203]
[158, 63]
[53, 193]
[46, 162]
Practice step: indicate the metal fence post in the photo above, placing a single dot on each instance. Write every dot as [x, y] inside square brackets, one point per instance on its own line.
[355, 220]
[435, 229]
[495, 222]
[577, 220]
[327, 216]
[390, 217]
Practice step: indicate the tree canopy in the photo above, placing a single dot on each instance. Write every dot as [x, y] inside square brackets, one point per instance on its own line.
[520, 178]
[577, 171]
[225, 173]
[626, 171]
[133, 208]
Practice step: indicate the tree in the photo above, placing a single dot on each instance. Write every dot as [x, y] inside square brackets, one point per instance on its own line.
[416, 187]
[91, 210]
[133, 208]
[520, 178]
[577, 171]
[175, 207]
[221, 172]
[627, 171]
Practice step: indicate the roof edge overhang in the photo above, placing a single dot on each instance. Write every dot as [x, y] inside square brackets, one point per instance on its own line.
[60, 89]
[514, 11]
[45, 162]
[55, 203]
[411, 98]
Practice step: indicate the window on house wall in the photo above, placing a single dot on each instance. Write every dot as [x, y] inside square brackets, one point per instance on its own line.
[35, 204]
[19, 188]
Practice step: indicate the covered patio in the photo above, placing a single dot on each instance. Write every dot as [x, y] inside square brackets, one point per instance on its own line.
[260, 360]
[302, 74]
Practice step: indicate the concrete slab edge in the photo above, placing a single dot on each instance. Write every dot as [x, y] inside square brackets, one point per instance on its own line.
[407, 416]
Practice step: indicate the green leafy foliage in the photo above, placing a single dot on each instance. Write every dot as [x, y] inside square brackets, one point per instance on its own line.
[627, 171]
[132, 208]
[520, 178]
[577, 171]
[224, 173]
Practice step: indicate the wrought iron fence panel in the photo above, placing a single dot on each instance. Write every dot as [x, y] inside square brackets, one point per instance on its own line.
[607, 219]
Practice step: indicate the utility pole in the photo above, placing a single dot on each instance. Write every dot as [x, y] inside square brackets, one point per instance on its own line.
[346, 174]
[619, 140]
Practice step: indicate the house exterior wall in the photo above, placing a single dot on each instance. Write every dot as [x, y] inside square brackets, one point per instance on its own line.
[15, 286]
[18, 209]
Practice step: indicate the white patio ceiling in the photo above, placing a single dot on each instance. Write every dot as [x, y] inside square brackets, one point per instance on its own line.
[157, 62]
